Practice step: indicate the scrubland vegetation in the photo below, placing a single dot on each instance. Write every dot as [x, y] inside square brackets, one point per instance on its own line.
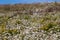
[40, 21]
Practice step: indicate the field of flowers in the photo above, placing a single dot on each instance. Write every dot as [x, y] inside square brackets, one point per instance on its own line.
[38, 24]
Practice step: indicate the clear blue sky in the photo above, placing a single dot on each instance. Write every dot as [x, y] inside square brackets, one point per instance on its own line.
[24, 1]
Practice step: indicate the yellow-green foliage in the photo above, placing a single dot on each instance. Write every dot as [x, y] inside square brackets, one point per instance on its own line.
[5, 39]
[4, 19]
[41, 20]
[13, 31]
[2, 27]
[26, 17]
[34, 19]
[48, 26]
[57, 29]
[18, 22]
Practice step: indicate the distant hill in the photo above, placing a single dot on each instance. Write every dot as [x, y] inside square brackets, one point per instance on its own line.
[20, 7]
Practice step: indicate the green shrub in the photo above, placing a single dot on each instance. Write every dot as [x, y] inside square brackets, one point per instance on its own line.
[13, 31]
[18, 22]
[48, 26]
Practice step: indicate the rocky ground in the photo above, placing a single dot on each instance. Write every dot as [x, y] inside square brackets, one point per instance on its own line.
[40, 24]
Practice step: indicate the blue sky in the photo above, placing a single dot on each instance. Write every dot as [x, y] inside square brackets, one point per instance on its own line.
[24, 1]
